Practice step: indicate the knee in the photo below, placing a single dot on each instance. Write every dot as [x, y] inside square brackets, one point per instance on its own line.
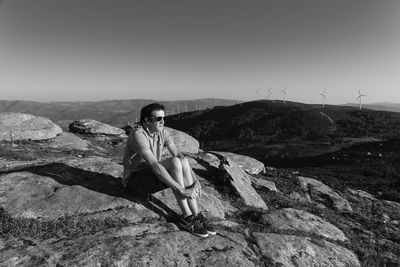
[176, 163]
[185, 163]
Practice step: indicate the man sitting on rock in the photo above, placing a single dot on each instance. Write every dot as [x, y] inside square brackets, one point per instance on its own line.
[145, 173]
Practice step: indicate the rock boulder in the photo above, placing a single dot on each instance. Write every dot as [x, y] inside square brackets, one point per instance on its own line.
[240, 181]
[293, 219]
[321, 193]
[184, 142]
[20, 126]
[288, 250]
[248, 164]
[88, 126]
[69, 141]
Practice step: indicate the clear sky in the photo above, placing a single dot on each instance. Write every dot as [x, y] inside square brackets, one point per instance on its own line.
[69, 50]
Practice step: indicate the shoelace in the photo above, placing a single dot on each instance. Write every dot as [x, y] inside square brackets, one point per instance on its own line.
[201, 218]
[196, 224]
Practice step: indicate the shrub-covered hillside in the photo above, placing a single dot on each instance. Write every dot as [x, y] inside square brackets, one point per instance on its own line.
[257, 124]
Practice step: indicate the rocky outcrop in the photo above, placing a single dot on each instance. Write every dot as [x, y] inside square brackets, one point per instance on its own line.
[288, 250]
[241, 184]
[248, 164]
[237, 179]
[20, 126]
[323, 194]
[300, 220]
[357, 194]
[62, 203]
[88, 126]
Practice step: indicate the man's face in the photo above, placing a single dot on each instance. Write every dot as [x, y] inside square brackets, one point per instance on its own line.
[156, 121]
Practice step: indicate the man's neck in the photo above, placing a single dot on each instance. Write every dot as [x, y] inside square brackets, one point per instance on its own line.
[146, 127]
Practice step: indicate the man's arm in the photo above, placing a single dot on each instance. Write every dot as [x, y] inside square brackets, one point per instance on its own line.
[174, 151]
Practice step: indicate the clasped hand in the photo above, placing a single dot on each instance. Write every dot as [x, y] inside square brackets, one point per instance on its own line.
[193, 191]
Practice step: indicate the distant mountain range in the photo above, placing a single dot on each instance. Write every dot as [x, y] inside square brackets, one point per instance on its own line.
[384, 106]
[114, 112]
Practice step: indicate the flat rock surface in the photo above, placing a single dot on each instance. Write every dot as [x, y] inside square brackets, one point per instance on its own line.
[319, 192]
[90, 164]
[28, 195]
[288, 250]
[89, 126]
[69, 141]
[19, 126]
[139, 245]
[96, 164]
[248, 164]
[241, 183]
[293, 219]
[14, 164]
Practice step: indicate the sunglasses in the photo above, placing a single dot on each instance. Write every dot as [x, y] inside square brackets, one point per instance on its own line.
[157, 119]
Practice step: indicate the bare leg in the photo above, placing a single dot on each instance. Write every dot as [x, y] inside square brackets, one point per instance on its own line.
[174, 167]
[188, 180]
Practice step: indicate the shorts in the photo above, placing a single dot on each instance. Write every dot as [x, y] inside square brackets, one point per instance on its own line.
[144, 182]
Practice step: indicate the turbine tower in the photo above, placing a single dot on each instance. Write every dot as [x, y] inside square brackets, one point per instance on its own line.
[269, 93]
[284, 94]
[323, 98]
[359, 98]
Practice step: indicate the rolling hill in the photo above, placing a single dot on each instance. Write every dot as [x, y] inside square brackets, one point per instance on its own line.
[275, 130]
[383, 106]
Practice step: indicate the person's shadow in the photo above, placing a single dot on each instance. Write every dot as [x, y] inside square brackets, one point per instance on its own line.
[103, 183]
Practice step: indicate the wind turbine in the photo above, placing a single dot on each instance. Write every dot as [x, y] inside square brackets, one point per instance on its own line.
[269, 93]
[323, 98]
[359, 97]
[284, 94]
[257, 91]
